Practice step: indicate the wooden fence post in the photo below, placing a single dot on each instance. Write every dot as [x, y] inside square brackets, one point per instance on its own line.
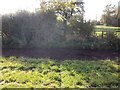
[102, 34]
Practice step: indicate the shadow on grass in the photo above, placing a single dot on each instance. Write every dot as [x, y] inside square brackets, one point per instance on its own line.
[62, 53]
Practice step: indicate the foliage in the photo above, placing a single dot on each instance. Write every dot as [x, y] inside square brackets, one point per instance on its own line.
[82, 29]
[65, 10]
[109, 17]
[59, 25]
[113, 41]
[111, 38]
[118, 13]
[40, 29]
[16, 29]
[46, 73]
[24, 29]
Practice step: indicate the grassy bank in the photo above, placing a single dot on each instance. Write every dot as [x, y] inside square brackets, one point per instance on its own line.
[46, 73]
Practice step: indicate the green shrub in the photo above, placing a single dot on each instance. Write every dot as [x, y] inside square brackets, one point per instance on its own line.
[113, 41]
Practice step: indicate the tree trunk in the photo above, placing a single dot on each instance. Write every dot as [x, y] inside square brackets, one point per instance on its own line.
[65, 24]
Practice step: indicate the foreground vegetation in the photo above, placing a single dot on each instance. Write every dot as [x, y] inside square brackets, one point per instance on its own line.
[46, 73]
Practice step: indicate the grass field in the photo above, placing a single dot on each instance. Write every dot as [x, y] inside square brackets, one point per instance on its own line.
[46, 73]
[99, 29]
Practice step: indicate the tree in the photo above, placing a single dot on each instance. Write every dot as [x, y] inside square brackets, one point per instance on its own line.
[65, 10]
[82, 29]
[118, 13]
[109, 17]
[17, 29]
[25, 29]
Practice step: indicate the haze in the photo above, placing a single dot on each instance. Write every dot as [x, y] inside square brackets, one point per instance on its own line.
[93, 8]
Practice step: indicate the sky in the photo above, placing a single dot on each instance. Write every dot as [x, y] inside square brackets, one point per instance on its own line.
[93, 8]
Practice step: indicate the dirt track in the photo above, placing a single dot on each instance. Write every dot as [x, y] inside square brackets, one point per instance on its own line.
[61, 53]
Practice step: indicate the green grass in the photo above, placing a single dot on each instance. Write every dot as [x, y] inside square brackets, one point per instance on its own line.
[46, 73]
[106, 28]
[100, 28]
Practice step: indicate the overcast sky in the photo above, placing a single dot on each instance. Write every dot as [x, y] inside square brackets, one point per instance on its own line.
[93, 8]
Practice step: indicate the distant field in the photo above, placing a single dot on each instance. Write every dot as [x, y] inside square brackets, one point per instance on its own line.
[47, 73]
[101, 28]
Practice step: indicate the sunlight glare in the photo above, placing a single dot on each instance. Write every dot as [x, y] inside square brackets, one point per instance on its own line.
[11, 6]
[93, 8]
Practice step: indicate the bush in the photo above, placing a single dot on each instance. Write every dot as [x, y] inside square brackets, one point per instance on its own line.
[113, 41]
[25, 29]
[82, 29]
